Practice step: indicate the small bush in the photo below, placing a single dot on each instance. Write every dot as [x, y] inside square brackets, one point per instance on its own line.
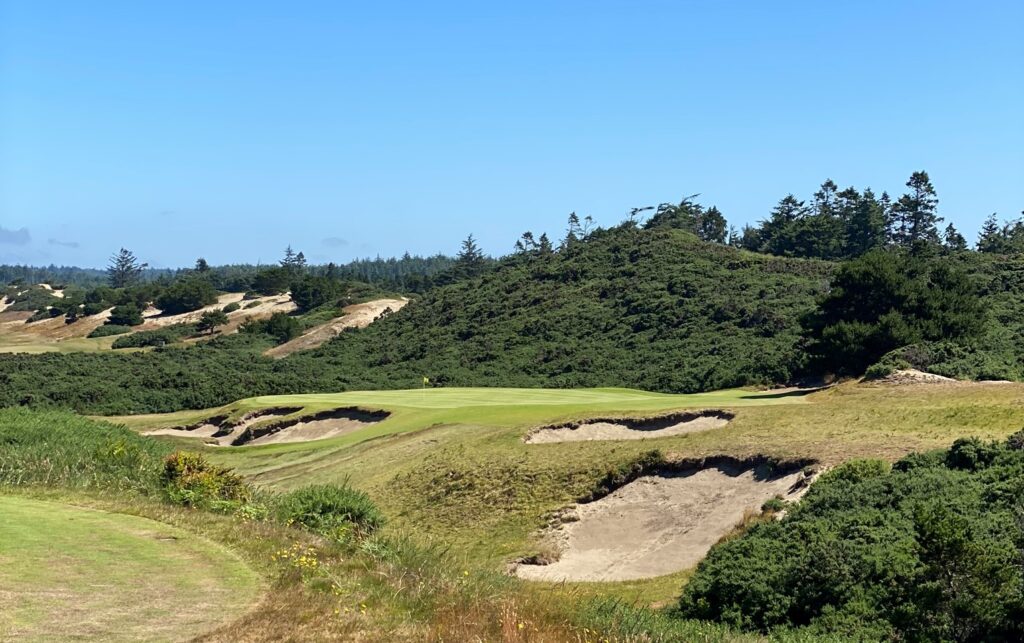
[232, 307]
[125, 315]
[330, 510]
[280, 326]
[93, 308]
[107, 330]
[191, 480]
[252, 304]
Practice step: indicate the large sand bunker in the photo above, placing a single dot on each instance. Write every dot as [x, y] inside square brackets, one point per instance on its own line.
[660, 523]
[631, 429]
[254, 429]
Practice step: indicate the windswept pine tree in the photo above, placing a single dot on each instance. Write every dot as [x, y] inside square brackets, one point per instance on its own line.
[124, 269]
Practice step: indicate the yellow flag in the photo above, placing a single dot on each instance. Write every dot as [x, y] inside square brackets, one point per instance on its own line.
[426, 380]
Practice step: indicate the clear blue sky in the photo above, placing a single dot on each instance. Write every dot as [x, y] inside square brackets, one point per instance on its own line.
[230, 129]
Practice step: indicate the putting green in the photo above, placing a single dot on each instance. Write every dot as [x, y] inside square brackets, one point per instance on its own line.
[74, 573]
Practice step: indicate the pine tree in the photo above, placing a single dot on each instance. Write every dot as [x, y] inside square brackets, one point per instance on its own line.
[865, 223]
[124, 269]
[470, 260]
[989, 239]
[544, 246]
[953, 240]
[915, 212]
[573, 230]
[711, 226]
[201, 265]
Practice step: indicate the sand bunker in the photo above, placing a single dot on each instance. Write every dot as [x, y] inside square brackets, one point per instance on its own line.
[356, 316]
[253, 428]
[658, 524]
[631, 429]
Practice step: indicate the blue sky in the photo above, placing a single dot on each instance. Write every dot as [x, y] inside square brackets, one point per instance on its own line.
[229, 130]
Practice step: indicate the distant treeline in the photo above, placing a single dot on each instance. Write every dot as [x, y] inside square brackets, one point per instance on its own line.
[409, 273]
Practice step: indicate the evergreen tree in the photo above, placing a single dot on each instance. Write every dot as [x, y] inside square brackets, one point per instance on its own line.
[210, 320]
[712, 226]
[865, 224]
[124, 269]
[544, 246]
[201, 265]
[989, 238]
[573, 230]
[470, 261]
[915, 213]
[953, 240]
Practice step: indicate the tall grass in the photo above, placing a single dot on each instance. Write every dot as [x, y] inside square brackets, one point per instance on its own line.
[61, 449]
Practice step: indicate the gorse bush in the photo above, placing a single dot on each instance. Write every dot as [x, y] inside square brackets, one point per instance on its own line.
[927, 550]
[107, 330]
[191, 480]
[156, 337]
[330, 510]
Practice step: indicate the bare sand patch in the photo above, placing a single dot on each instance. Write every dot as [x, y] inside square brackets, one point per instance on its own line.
[356, 316]
[914, 376]
[254, 429]
[631, 428]
[660, 523]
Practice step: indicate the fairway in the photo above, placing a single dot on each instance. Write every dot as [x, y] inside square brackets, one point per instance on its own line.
[69, 572]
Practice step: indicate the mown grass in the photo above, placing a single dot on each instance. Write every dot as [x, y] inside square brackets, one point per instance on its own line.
[55, 557]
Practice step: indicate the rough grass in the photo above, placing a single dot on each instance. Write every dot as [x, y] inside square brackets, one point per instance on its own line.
[69, 572]
[450, 466]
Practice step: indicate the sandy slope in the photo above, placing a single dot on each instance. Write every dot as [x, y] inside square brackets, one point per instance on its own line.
[356, 316]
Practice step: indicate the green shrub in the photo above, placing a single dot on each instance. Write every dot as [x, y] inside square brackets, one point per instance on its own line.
[232, 307]
[252, 304]
[185, 295]
[93, 308]
[107, 330]
[125, 315]
[310, 292]
[189, 479]
[156, 337]
[330, 510]
[928, 550]
[281, 326]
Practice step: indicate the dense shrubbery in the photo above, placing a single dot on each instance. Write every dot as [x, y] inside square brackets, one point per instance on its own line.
[931, 549]
[889, 299]
[186, 295]
[107, 330]
[191, 480]
[310, 292]
[125, 315]
[156, 337]
[280, 326]
[330, 510]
